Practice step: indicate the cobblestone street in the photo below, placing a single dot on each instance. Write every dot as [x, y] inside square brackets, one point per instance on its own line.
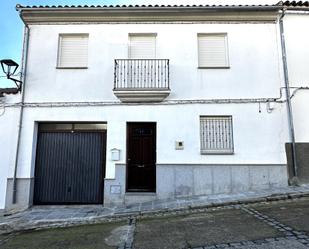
[282, 224]
[278, 224]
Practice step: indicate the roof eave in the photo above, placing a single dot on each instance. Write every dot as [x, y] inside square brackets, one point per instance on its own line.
[149, 14]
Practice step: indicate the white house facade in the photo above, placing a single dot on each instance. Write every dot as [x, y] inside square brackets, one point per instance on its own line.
[124, 104]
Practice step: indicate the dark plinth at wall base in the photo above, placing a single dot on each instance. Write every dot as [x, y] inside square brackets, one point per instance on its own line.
[302, 157]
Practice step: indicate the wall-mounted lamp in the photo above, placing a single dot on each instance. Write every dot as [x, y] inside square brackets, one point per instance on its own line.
[9, 68]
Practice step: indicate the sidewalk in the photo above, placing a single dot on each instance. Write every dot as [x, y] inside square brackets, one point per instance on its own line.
[39, 217]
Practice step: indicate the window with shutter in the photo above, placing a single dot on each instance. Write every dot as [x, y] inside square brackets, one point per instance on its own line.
[142, 46]
[213, 51]
[216, 135]
[73, 51]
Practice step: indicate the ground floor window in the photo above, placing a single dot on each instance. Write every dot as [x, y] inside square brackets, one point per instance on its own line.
[216, 135]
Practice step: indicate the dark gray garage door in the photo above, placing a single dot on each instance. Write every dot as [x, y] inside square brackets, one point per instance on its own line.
[70, 167]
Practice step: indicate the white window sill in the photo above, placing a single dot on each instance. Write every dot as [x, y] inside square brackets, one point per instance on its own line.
[223, 67]
[217, 152]
[71, 67]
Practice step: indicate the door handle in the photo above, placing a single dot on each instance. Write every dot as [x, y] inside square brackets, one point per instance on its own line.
[141, 166]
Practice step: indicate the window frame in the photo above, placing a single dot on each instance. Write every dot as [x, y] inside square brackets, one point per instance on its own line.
[225, 35]
[60, 37]
[217, 151]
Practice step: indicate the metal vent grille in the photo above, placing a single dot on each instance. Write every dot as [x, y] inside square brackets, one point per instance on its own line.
[216, 135]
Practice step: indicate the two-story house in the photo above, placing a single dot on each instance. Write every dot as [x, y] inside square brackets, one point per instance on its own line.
[133, 103]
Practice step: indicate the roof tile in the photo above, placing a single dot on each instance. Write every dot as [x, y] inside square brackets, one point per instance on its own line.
[154, 6]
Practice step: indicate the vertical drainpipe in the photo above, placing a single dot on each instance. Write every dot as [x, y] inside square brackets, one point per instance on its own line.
[288, 99]
[21, 113]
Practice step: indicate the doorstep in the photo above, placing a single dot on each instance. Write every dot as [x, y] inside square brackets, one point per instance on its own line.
[139, 197]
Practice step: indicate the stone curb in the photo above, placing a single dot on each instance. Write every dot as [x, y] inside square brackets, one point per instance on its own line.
[19, 226]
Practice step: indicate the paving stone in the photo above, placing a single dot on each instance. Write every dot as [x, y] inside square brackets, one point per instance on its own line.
[247, 243]
[259, 241]
[291, 238]
[289, 234]
[302, 236]
[270, 239]
[222, 246]
[235, 244]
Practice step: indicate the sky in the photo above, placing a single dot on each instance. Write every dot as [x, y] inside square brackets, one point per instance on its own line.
[11, 26]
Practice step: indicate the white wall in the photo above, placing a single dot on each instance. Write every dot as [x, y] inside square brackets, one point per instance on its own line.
[8, 138]
[297, 40]
[253, 57]
[258, 139]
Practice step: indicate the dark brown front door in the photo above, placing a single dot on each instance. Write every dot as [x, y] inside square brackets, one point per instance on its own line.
[141, 157]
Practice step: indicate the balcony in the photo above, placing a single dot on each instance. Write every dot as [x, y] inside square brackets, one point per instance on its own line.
[141, 80]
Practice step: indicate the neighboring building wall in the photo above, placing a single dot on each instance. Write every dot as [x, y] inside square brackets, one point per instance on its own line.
[297, 40]
[8, 139]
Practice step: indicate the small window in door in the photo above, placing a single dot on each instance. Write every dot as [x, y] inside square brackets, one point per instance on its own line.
[142, 46]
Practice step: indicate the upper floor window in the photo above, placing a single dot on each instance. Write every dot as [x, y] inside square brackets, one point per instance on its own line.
[216, 135]
[213, 50]
[73, 51]
[142, 46]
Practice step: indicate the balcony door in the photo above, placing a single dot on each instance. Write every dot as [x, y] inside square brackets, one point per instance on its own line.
[141, 157]
[142, 49]
[142, 46]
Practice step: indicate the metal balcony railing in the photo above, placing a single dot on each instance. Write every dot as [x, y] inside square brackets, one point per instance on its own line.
[141, 74]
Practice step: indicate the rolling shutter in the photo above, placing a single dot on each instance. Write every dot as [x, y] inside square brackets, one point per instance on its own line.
[212, 50]
[73, 50]
[142, 46]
